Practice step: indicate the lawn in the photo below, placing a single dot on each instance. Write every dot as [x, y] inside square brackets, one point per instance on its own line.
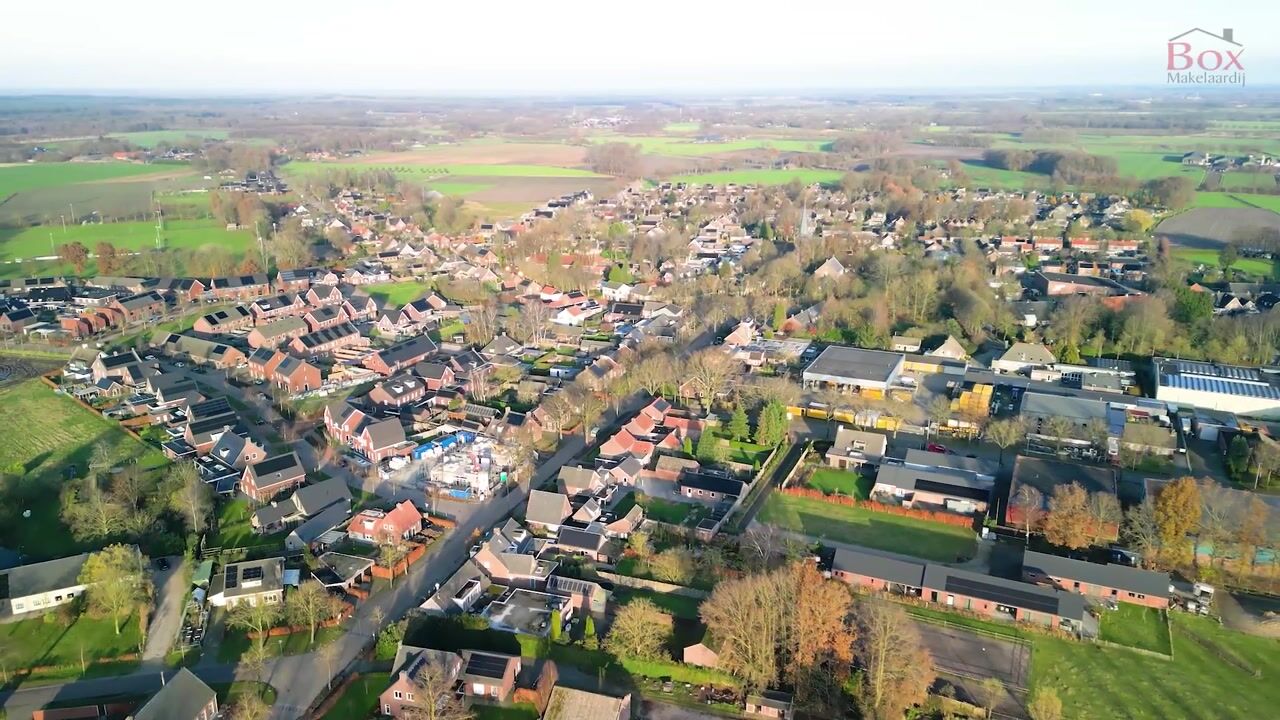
[841, 482]
[678, 606]
[761, 177]
[1253, 266]
[667, 511]
[360, 699]
[57, 434]
[1136, 626]
[523, 711]
[42, 241]
[33, 176]
[398, 293]
[236, 643]
[235, 529]
[746, 452]
[859, 526]
[52, 642]
[1096, 682]
[416, 172]
[446, 331]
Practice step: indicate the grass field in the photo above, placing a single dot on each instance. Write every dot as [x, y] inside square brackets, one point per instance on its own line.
[686, 147]
[458, 188]
[1236, 199]
[1253, 266]
[674, 605]
[1136, 626]
[236, 643]
[398, 293]
[667, 511]
[1100, 682]
[151, 138]
[235, 530]
[33, 176]
[882, 531]
[57, 433]
[1248, 182]
[35, 242]
[37, 642]
[440, 171]
[981, 175]
[842, 482]
[360, 699]
[761, 177]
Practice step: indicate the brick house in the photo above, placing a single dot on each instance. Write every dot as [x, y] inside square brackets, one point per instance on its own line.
[398, 700]
[241, 287]
[143, 307]
[1109, 582]
[277, 306]
[273, 476]
[322, 294]
[328, 340]
[325, 317]
[377, 527]
[401, 356]
[397, 391]
[276, 332]
[296, 375]
[224, 321]
[489, 675]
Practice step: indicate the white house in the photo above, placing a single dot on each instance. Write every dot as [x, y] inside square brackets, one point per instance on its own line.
[43, 585]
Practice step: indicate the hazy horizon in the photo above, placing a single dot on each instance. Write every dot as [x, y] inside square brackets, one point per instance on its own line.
[390, 47]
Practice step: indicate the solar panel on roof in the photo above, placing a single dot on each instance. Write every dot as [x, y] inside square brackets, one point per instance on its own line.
[1002, 595]
[230, 579]
[252, 573]
[487, 666]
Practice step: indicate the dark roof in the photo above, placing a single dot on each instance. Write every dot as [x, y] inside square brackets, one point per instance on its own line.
[182, 698]
[327, 335]
[286, 464]
[577, 538]
[947, 482]
[879, 566]
[487, 665]
[1005, 592]
[317, 496]
[853, 364]
[323, 521]
[712, 483]
[1120, 577]
[1044, 475]
[410, 349]
[42, 577]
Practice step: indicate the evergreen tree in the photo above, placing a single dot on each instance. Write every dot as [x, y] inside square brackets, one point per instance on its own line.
[738, 428]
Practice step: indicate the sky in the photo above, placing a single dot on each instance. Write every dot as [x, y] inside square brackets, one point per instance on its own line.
[570, 47]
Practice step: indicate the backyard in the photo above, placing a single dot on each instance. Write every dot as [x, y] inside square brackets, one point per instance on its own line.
[50, 641]
[1136, 626]
[398, 293]
[236, 531]
[859, 526]
[841, 482]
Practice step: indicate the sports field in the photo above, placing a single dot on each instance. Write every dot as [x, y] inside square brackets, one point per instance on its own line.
[761, 177]
[33, 176]
[686, 147]
[37, 241]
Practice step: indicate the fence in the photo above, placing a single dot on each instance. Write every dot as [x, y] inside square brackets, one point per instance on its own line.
[938, 517]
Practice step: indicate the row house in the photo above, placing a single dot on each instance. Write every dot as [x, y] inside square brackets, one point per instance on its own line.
[198, 350]
[277, 306]
[225, 321]
[325, 317]
[322, 294]
[241, 287]
[359, 306]
[375, 439]
[277, 332]
[184, 291]
[401, 356]
[284, 371]
[299, 280]
[143, 307]
[329, 340]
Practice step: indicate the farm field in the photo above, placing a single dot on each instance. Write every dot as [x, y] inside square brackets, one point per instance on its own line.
[417, 172]
[981, 175]
[117, 199]
[36, 241]
[151, 138]
[1208, 257]
[881, 531]
[686, 147]
[33, 176]
[1209, 227]
[1096, 682]
[761, 177]
[1236, 200]
[398, 293]
[1248, 182]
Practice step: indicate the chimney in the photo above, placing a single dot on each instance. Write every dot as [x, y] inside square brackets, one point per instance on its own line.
[1228, 34]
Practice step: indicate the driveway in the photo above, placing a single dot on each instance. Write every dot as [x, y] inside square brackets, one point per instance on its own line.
[166, 619]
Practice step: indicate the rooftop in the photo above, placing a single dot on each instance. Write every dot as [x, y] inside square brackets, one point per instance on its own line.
[853, 364]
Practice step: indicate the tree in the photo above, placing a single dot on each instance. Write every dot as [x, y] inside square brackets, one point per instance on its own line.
[939, 410]
[708, 370]
[673, 565]
[116, 582]
[991, 692]
[1251, 533]
[328, 653]
[1069, 523]
[589, 639]
[1177, 512]
[1005, 433]
[390, 551]
[1140, 532]
[90, 512]
[256, 618]
[1228, 255]
[738, 427]
[897, 670]
[189, 495]
[638, 543]
[771, 426]
[640, 631]
[249, 706]
[748, 617]
[779, 316]
[108, 260]
[1138, 221]
[75, 253]
[819, 641]
[1030, 504]
[1045, 704]
[310, 605]
[711, 449]
[434, 697]
[1219, 516]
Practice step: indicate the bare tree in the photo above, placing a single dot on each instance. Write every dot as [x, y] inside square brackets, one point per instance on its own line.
[328, 653]
[897, 669]
[310, 605]
[1030, 504]
[433, 695]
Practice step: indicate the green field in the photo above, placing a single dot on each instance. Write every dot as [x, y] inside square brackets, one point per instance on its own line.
[681, 127]
[882, 531]
[33, 176]
[398, 293]
[1099, 682]
[457, 188]
[1136, 626]
[37, 642]
[190, 234]
[1235, 200]
[235, 530]
[151, 138]
[419, 171]
[236, 643]
[842, 482]
[761, 177]
[1209, 258]
[1248, 181]
[685, 147]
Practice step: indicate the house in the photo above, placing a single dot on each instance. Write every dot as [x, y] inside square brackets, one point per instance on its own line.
[1022, 358]
[224, 321]
[328, 340]
[489, 675]
[436, 375]
[509, 557]
[949, 349]
[590, 541]
[125, 365]
[241, 287]
[251, 581]
[397, 391]
[380, 439]
[460, 592]
[710, 488]
[769, 704]
[830, 269]
[547, 510]
[277, 331]
[855, 448]
[142, 307]
[273, 476]
[938, 489]
[378, 527]
[296, 375]
[902, 343]
[878, 571]
[867, 372]
[198, 350]
[237, 449]
[309, 532]
[401, 356]
[302, 504]
[579, 480]
[35, 587]
[182, 697]
[411, 663]
[1116, 582]
[569, 704]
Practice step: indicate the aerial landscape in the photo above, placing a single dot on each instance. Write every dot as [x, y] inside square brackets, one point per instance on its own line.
[518, 376]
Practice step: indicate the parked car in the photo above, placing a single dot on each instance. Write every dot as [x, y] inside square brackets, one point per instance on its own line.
[936, 448]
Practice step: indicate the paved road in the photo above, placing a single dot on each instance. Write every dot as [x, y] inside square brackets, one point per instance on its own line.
[166, 619]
